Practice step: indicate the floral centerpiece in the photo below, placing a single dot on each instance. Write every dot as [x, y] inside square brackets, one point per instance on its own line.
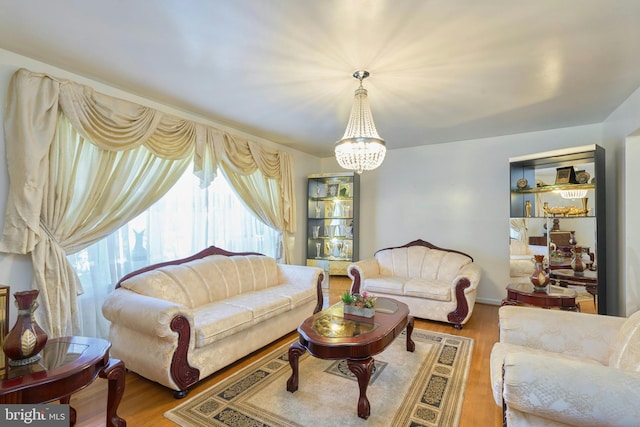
[359, 304]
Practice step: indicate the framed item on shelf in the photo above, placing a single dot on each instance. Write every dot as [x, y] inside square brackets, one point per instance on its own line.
[332, 189]
[565, 175]
[345, 190]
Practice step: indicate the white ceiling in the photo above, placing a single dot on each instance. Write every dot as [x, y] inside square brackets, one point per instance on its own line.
[441, 71]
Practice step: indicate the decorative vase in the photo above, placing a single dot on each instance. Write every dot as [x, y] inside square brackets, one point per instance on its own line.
[577, 264]
[354, 310]
[572, 238]
[540, 277]
[26, 339]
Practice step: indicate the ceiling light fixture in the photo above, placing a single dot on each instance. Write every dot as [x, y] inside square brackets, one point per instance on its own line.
[573, 194]
[361, 148]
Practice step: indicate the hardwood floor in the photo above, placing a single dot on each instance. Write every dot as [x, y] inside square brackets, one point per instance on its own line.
[145, 402]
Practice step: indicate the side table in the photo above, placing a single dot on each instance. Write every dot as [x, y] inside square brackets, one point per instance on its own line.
[566, 277]
[554, 297]
[68, 364]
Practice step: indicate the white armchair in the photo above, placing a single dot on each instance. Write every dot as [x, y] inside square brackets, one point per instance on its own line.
[557, 368]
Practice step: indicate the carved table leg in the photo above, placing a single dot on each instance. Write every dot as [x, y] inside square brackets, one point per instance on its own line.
[362, 369]
[115, 374]
[295, 351]
[411, 346]
[72, 412]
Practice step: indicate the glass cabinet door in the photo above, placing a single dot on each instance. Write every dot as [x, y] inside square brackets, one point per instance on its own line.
[332, 221]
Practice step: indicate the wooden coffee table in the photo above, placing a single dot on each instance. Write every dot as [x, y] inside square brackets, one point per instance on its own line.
[331, 334]
[554, 297]
[67, 365]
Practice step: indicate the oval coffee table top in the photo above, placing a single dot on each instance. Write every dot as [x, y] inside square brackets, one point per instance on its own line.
[331, 334]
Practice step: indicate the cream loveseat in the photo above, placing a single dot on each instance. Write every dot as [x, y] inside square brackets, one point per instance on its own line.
[179, 321]
[559, 368]
[437, 284]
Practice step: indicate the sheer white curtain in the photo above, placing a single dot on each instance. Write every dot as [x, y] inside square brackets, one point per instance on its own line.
[186, 220]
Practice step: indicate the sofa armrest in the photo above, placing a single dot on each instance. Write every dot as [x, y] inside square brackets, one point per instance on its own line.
[575, 334]
[361, 270]
[571, 392]
[304, 274]
[299, 274]
[471, 272]
[148, 315]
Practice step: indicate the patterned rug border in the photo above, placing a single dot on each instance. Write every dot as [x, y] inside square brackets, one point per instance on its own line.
[434, 397]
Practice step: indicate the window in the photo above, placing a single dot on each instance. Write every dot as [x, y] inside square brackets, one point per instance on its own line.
[186, 220]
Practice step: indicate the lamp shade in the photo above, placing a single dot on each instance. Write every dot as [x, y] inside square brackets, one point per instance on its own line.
[361, 148]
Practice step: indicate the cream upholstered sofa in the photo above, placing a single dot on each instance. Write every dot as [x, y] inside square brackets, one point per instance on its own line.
[180, 321]
[437, 284]
[559, 368]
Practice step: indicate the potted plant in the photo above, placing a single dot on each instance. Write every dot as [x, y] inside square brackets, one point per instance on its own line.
[359, 304]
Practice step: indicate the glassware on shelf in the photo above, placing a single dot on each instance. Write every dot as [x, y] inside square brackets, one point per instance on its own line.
[318, 211]
[331, 208]
[316, 231]
[336, 249]
[348, 230]
[318, 250]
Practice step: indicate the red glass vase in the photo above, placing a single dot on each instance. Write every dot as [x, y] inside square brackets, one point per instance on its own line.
[26, 339]
[540, 278]
[577, 264]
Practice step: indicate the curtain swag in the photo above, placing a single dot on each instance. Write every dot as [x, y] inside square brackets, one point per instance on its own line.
[46, 215]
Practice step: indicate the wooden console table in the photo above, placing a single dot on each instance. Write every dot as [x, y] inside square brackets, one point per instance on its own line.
[554, 297]
[67, 365]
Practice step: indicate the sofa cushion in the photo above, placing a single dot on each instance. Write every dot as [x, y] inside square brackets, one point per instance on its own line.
[500, 351]
[386, 285]
[263, 304]
[626, 352]
[171, 283]
[421, 262]
[298, 294]
[429, 289]
[217, 320]
[206, 280]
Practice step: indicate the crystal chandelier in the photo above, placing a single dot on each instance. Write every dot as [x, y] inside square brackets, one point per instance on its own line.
[573, 194]
[361, 148]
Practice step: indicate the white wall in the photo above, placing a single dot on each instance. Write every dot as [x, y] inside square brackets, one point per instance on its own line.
[454, 195]
[15, 270]
[622, 127]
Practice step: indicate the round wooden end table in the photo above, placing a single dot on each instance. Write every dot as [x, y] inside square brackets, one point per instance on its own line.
[66, 366]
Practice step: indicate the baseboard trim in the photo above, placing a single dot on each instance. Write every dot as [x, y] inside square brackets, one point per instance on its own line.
[489, 301]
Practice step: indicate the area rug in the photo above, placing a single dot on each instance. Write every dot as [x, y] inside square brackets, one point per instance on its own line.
[423, 388]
